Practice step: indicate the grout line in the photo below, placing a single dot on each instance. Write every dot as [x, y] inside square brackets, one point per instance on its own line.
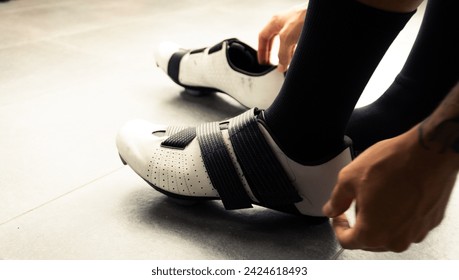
[72, 33]
[338, 254]
[60, 196]
[73, 48]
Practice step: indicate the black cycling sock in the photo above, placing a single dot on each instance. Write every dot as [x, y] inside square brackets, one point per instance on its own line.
[340, 46]
[429, 73]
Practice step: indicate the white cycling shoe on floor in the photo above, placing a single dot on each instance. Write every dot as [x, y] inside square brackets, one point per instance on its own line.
[236, 161]
[230, 67]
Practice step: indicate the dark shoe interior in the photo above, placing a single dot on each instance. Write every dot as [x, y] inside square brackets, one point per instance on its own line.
[244, 57]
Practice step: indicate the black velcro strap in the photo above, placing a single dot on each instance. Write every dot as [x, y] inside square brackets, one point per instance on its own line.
[180, 139]
[219, 46]
[220, 168]
[197, 51]
[171, 130]
[264, 173]
[173, 67]
[215, 48]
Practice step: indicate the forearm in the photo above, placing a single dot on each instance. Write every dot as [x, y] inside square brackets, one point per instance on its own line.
[439, 133]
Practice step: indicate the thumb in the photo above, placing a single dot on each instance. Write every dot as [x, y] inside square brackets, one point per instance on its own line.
[340, 200]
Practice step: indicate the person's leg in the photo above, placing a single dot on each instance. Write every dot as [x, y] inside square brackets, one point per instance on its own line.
[428, 74]
[341, 44]
[257, 157]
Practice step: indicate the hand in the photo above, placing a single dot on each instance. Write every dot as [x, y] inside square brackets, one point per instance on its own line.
[287, 26]
[400, 190]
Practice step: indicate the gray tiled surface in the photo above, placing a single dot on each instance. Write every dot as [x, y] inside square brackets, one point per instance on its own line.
[71, 74]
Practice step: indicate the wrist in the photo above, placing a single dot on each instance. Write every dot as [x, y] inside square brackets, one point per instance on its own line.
[440, 131]
[435, 146]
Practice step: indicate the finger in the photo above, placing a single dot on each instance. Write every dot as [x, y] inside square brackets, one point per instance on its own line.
[267, 53]
[265, 42]
[283, 68]
[399, 246]
[285, 53]
[344, 233]
[264, 50]
[340, 200]
[286, 46]
[421, 236]
[348, 236]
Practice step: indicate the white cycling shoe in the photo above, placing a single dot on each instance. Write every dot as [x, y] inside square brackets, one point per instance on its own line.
[230, 67]
[236, 161]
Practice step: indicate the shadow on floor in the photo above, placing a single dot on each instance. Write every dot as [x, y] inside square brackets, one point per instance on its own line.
[257, 233]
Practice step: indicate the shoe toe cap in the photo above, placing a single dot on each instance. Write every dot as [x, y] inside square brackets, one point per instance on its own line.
[164, 53]
[135, 140]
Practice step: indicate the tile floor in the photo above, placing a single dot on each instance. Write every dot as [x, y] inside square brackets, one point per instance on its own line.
[71, 74]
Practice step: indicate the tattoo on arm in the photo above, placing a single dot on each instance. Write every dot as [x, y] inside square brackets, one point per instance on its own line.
[443, 138]
[440, 131]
